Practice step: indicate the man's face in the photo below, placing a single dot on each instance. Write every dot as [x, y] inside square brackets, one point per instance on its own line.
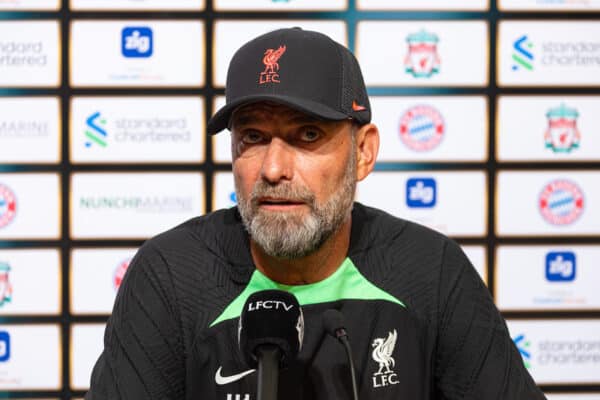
[295, 177]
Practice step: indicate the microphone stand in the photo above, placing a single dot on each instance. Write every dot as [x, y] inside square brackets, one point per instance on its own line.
[268, 371]
[346, 342]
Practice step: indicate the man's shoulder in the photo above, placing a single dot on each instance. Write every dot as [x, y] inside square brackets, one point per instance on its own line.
[199, 231]
[215, 239]
[374, 228]
[408, 260]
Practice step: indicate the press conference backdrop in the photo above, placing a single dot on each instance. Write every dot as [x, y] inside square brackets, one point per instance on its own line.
[490, 133]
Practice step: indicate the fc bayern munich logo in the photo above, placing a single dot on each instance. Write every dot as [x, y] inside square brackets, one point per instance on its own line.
[8, 205]
[561, 202]
[422, 128]
[120, 273]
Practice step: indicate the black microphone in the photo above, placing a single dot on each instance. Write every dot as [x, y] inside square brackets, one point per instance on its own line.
[333, 321]
[270, 334]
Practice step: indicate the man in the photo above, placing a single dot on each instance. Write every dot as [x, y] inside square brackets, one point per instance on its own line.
[421, 322]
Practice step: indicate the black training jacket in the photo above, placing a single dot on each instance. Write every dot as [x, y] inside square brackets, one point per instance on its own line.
[422, 324]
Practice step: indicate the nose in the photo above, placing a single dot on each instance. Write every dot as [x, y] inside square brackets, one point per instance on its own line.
[278, 161]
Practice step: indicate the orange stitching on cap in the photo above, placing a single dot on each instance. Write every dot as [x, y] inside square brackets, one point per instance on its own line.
[271, 66]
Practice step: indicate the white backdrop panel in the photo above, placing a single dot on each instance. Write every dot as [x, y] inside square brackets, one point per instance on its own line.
[461, 53]
[151, 129]
[30, 130]
[452, 202]
[133, 205]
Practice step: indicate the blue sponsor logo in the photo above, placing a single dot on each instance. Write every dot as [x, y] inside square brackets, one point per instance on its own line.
[522, 55]
[560, 266]
[95, 131]
[233, 198]
[421, 192]
[523, 345]
[4, 346]
[136, 42]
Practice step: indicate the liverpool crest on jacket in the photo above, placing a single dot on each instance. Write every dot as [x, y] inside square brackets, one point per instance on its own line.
[383, 349]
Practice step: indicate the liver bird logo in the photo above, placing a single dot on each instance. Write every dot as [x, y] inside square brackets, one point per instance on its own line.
[270, 59]
[382, 352]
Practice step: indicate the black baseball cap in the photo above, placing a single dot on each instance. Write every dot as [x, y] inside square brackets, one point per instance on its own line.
[301, 69]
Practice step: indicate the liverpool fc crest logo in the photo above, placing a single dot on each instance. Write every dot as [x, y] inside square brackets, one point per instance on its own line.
[270, 59]
[562, 134]
[422, 60]
[382, 354]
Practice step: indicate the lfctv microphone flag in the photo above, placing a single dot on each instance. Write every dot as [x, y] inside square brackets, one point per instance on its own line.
[271, 317]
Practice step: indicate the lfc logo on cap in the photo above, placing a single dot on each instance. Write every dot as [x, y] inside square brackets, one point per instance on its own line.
[270, 59]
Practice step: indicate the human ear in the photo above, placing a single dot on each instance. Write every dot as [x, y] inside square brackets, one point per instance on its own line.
[367, 147]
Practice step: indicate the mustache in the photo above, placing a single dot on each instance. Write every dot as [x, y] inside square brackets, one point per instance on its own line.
[283, 191]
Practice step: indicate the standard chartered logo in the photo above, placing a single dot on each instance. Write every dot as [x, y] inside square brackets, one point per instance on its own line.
[523, 346]
[140, 130]
[554, 53]
[558, 352]
[22, 54]
[571, 53]
[135, 130]
[95, 131]
[575, 352]
[522, 55]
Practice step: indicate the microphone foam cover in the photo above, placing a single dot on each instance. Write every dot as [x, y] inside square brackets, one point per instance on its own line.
[271, 317]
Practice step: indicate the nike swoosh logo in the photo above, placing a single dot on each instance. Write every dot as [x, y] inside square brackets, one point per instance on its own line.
[225, 380]
[357, 107]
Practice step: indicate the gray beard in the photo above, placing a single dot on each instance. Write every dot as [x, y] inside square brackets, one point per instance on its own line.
[287, 235]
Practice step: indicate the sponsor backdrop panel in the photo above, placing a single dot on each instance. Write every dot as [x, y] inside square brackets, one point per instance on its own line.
[230, 35]
[30, 130]
[431, 128]
[133, 156]
[548, 128]
[569, 355]
[549, 5]
[422, 5]
[223, 191]
[29, 5]
[86, 347]
[137, 129]
[137, 5]
[30, 282]
[133, 205]
[31, 357]
[548, 203]
[29, 53]
[550, 278]
[425, 53]
[431, 198]
[29, 206]
[96, 275]
[136, 53]
[572, 396]
[478, 257]
[278, 5]
[222, 142]
[548, 53]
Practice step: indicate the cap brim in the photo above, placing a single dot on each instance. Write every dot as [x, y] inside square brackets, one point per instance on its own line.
[220, 120]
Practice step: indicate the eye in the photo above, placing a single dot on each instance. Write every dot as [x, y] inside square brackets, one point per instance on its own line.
[309, 134]
[252, 137]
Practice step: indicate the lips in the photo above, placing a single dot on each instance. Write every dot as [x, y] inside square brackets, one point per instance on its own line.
[272, 201]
